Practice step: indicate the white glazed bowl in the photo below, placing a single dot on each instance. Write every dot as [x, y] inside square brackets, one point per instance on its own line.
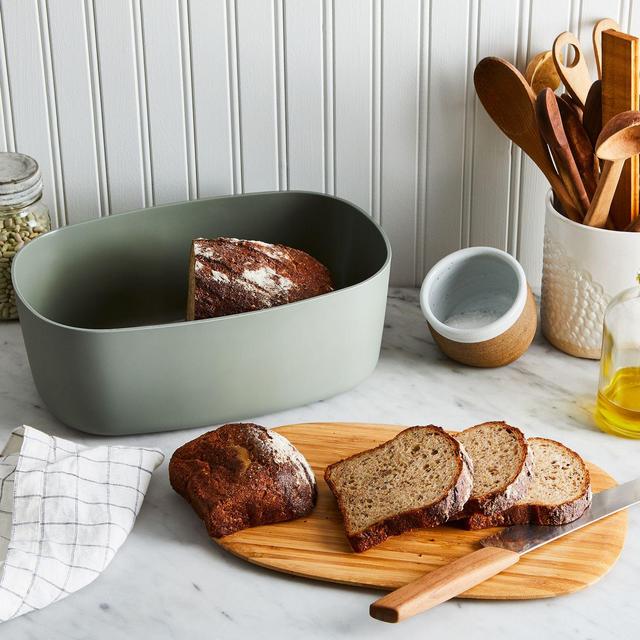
[479, 307]
[583, 269]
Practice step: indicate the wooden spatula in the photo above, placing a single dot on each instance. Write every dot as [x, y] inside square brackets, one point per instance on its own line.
[581, 147]
[620, 88]
[592, 115]
[602, 25]
[574, 74]
[553, 133]
[618, 141]
[510, 102]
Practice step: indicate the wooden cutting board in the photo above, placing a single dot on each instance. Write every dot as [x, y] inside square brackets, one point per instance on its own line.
[315, 547]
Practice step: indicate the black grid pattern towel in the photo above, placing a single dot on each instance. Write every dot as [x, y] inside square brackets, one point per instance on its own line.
[64, 512]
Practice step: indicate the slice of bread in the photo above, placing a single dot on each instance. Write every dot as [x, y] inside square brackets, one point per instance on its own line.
[418, 479]
[559, 492]
[501, 466]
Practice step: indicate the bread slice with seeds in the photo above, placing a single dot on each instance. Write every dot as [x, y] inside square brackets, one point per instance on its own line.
[559, 492]
[501, 466]
[418, 479]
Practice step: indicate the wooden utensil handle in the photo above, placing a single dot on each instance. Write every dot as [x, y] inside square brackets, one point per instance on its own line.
[601, 203]
[575, 74]
[571, 177]
[599, 27]
[442, 584]
[634, 226]
[570, 208]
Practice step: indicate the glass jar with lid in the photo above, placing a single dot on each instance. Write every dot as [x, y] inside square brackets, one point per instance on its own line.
[23, 217]
[618, 404]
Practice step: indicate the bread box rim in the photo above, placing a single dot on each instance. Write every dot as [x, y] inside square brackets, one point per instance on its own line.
[20, 256]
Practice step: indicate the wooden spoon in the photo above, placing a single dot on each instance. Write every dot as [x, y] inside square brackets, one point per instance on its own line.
[510, 102]
[581, 147]
[599, 27]
[541, 72]
[618, 141]
[574, 75]
[592, 116]
[552, 130]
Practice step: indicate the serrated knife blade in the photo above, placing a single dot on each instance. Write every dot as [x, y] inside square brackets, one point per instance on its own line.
[525, 538]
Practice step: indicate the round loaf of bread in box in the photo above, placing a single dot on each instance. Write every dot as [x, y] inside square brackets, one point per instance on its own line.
[228, 276]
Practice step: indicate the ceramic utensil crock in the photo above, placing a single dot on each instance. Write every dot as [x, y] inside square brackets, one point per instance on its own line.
[584, 268]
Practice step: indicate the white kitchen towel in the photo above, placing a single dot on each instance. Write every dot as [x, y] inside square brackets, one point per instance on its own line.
[65, 510]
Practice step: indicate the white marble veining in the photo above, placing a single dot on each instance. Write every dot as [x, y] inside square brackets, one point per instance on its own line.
[169, 581]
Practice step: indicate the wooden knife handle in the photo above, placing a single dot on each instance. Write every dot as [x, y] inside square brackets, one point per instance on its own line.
[442, 584]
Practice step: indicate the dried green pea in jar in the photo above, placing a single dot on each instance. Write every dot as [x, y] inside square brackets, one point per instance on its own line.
[23, 217]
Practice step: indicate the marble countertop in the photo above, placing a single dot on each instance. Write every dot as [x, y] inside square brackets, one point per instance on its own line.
[168, 580]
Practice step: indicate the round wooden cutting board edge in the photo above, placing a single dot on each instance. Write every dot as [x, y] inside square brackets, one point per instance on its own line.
[254, 545]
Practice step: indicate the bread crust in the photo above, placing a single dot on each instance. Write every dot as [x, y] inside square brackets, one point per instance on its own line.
[501, 500]
[243, 475]
[229, 276]
[539, 514]
[430, 515]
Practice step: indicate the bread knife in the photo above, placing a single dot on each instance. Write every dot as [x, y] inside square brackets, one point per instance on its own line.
[497, 553]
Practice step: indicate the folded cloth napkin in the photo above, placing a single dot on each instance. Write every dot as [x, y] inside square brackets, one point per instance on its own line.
[65, 510]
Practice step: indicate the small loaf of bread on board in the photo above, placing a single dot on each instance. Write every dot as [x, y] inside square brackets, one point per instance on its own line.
[243, 475]
[228, 276]
[418, 479]
[502, 466]
[559, 492]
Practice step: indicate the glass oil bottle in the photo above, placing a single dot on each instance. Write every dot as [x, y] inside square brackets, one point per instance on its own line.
[618, 403]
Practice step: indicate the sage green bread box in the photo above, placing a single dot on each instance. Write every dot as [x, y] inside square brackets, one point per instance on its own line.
[102, 307]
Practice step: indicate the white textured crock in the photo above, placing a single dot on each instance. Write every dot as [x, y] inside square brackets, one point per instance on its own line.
[583, 269]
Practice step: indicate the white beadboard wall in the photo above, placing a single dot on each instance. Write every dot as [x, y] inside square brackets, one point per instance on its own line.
[131, 103]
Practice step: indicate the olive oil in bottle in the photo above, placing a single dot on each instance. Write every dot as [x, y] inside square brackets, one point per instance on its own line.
[618, 403]
[618, 408]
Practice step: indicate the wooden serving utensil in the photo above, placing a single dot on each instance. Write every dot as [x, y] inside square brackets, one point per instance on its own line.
[581, 147]
[598, 29]
[569, 101]
[575, 74]
[620, 66]
[618, 141]
[510, 102]
[634, 226]
[592, 115]
[553, 133]
[541, 72]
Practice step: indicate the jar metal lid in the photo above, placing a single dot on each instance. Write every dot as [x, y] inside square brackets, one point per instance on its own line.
[20, 179]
